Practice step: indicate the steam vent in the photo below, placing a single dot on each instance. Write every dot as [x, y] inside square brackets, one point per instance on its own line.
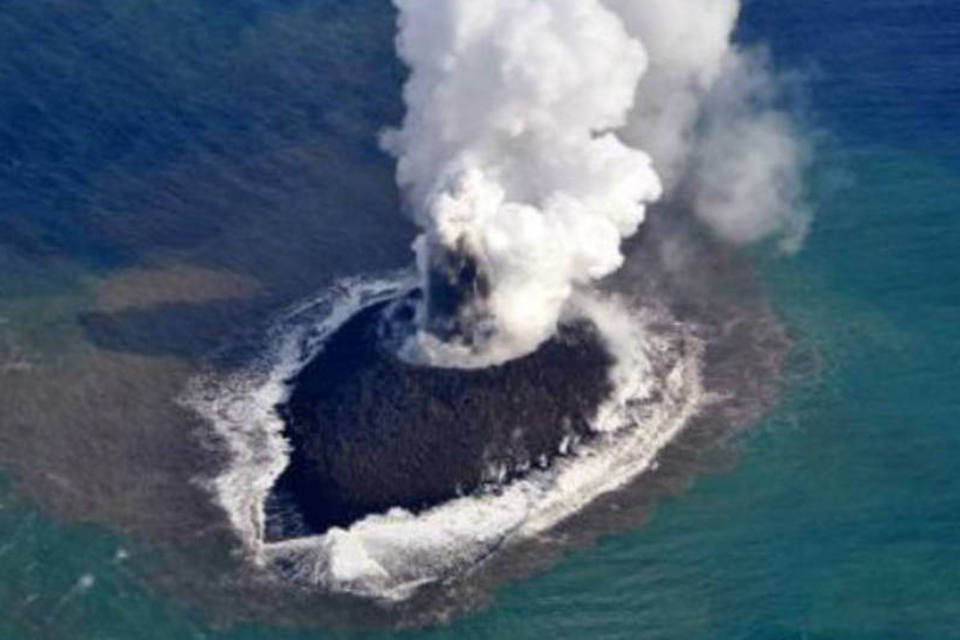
[370, 432]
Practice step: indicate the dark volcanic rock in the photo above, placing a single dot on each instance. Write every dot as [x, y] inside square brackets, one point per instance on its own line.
[370, 432]
[456, 296]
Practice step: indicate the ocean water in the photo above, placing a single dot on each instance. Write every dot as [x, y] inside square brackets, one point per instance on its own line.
[233, 168]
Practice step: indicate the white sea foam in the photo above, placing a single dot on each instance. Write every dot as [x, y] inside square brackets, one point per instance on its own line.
[387, 556]
[242, 407]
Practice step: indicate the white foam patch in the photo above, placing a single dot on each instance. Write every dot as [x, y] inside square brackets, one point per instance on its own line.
[242, 407]
[388, 556]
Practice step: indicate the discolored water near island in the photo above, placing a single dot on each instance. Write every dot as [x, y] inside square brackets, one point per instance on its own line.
[366, 428]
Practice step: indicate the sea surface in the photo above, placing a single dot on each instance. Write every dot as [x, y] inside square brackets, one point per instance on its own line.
[172, 172]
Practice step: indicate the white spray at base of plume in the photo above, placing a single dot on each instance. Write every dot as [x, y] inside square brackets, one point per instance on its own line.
[521, 145]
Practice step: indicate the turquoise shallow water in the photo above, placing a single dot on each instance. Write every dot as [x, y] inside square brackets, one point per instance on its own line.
[841, 518]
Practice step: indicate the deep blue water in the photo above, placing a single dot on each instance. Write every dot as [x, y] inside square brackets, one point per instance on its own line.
[242, 138]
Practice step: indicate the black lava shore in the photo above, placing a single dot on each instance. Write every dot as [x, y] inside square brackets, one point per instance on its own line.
[370, 432]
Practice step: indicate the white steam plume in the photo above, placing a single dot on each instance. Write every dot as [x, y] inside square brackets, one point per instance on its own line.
[706, 111]
[520, 148]
[507, 154]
